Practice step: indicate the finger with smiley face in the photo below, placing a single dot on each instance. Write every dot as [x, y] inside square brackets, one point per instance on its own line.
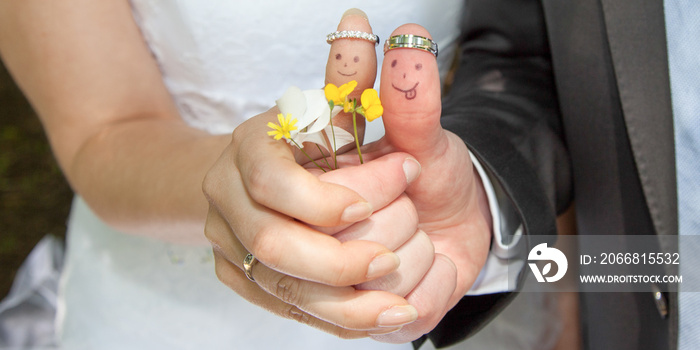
[410, 94]
[448, 196]
[352, 59]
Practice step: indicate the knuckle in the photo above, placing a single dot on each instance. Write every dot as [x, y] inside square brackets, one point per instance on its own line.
[289, 290]
[425, 243]
[216, 246]
[381, 182]
[208, 185]
[257, 181]
[209, 230]
[238, 135]
[208, 234]
[351, 318]
[408, 209]
[266, 248]
[221, 273]
[296, 314]
[217, 181]
[339, 275]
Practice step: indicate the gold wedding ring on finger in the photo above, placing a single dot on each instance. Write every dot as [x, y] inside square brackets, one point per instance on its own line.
[248, 264]
[411, 41]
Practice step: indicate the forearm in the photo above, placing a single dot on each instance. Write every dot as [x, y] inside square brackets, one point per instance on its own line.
[504, 103]
[112, 124]
[144, 176]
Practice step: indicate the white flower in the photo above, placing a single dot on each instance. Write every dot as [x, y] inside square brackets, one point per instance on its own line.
[313, 115]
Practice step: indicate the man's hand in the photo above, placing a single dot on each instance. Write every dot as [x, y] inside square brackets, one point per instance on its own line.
[448, 195]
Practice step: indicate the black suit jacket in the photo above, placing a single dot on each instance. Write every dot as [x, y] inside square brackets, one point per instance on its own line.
[570, 100]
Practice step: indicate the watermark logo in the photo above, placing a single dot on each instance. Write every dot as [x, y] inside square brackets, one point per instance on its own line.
[543, 253]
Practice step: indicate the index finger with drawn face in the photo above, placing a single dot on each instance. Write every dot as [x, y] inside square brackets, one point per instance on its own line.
[352, 59]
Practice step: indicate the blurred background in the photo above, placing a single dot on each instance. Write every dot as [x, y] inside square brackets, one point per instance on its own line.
[34, 196]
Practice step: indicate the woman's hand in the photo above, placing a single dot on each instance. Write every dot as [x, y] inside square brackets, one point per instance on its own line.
[305, 274]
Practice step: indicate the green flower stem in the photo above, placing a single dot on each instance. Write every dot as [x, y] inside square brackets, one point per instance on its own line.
[335, 160]
[324, 156]
[307, 155]
[354, 126]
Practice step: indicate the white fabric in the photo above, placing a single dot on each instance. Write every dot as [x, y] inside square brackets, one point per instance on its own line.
[498, 274]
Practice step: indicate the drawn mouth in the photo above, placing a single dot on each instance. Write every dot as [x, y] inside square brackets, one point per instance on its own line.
[346, 75]
[410, 93]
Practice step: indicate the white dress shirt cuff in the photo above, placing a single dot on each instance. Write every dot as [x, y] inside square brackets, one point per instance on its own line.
[497, 274]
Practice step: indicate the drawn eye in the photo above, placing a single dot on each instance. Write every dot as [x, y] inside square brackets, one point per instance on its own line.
[393, 63]
[356, 59]
[419, 66]
[338, 56]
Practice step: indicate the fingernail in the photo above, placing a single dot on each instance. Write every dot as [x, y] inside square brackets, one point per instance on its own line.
[382, 331]
[411, 168]
[357, 212]
[382, 265]
[354, 12]
[397, 316]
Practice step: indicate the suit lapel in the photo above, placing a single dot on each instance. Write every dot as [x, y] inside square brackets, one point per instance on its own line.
[637, 38]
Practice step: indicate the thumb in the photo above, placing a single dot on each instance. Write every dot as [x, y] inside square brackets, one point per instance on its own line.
[410, 94]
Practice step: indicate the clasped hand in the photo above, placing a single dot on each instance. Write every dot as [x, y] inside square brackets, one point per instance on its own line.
[382, 249]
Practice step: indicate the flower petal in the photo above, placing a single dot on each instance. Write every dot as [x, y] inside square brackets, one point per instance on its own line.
[342, 137]
[347, 88]
[324, 120]
[317, 110]
[332, 93]
[292, 102]
[374, 112]
[316, 138]
[371, 104]
[369, 96]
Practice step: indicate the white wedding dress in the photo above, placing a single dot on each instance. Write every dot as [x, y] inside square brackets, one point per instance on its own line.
[223, 62]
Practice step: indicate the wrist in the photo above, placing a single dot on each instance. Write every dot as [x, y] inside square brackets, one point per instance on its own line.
[482, 201]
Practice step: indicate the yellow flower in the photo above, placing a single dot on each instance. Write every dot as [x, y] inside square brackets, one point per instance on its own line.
[347, 108]
[340, 94]
[371, 104]
[286, 125]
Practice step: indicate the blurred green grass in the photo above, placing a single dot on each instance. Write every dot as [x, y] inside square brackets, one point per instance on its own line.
[34, 196]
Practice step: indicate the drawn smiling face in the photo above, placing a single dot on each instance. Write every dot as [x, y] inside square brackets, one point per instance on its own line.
[411, 93]
[410, 81]
[352, 59]
[347, 66]
[408, 78]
